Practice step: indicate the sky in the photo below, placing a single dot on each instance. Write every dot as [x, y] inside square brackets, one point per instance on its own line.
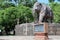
[43, 1]
[46, 1]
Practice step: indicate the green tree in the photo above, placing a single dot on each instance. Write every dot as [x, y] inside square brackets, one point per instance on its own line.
[2, 1]
[28, 3]
[51, 0]
[9, 16]
[56, 10]
[6, 5]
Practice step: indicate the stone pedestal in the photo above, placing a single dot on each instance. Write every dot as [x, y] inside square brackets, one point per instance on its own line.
[40, 38]
[41, 30]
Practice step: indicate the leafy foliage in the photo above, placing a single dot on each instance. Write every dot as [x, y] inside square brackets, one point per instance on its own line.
[9, 13]
[28, 3]
[9, 16]
[51, 0]
[56, 10]
[6, 5]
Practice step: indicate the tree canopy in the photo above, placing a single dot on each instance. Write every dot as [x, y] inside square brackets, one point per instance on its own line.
[9, 16]
[56, 10]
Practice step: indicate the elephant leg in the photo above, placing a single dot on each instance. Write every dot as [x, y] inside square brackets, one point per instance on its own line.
[35, 20]
[45, 20]
[35, 17]
[41, 16]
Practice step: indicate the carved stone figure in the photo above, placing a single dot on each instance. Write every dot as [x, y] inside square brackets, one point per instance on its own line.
[42, 13]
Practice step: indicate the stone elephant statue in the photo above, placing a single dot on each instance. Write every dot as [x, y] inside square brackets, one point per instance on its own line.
[42, 13]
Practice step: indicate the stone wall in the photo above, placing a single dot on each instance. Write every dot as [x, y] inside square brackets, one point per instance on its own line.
[27, 29]
[24, 29]
[54, 29]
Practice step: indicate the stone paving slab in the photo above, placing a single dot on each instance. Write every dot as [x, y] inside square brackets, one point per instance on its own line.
[26, 37]
[57, 37]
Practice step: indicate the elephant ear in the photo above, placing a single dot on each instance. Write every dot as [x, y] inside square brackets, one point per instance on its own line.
[40, 4]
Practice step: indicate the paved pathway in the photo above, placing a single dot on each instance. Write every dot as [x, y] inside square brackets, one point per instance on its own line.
[26, 37]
